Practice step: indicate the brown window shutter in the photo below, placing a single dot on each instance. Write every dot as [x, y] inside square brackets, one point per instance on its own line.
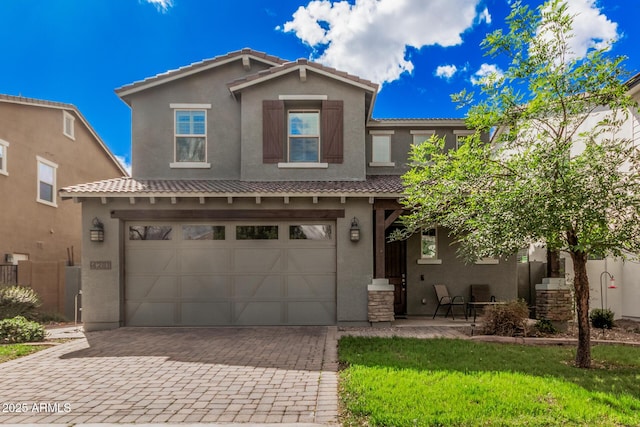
[332, 131]
[272, 131]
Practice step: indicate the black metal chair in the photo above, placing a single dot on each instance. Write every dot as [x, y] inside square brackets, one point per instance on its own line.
[446, 300]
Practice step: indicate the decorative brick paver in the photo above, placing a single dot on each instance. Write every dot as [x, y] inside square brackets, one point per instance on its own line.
[178, 375]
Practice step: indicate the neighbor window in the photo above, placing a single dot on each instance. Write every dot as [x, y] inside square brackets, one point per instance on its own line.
[68, 124]
[381, 148]
[429, 244]
[46, 181]
[4, 145]
[420, 136]
[304, 136]
[461, 137]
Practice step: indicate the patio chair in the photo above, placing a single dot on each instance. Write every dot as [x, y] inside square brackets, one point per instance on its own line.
[445, 300]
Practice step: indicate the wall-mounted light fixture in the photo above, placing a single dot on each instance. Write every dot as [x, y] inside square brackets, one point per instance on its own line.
[354, 231]
[96, 233]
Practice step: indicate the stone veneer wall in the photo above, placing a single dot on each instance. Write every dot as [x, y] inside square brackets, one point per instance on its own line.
[554, 301]
[380, 301]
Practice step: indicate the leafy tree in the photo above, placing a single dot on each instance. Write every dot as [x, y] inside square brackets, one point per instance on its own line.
[558, 170]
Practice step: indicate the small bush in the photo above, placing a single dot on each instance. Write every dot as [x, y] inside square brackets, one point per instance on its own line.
[505, 319]
[17, 301]
[19, 330]
[602, 319]
[544, 326]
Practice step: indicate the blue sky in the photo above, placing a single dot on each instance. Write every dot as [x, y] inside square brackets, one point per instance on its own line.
[421, 51]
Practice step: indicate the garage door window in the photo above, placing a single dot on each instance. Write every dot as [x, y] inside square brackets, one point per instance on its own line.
[256, 232]
[310, 232]
[150, 232]
[203, 232]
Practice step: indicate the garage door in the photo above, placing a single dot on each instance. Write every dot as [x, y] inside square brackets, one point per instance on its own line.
[234, 273]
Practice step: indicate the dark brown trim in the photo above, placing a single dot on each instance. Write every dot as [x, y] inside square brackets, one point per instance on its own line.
[388, 204]
[392, 218]
[379, 244]
[228, 215]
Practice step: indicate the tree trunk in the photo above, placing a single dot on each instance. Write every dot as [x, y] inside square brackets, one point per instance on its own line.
[581, 284]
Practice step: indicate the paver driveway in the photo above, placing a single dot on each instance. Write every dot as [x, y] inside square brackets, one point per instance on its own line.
[152, 375]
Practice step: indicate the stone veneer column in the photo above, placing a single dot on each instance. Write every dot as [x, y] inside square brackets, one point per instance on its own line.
[380, 301]
[554, 302]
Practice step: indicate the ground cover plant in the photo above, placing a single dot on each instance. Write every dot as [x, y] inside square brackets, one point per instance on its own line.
[441, 382]
[13, 351]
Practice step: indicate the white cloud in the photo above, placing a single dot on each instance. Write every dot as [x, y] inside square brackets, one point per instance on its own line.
[446, 71]
[484, 16]
[369, 38]
[162, 5]
[124, 163]
[591, 28]
[485, 72]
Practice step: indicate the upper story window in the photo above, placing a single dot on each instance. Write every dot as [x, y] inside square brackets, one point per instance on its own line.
[304, 136]
[46, 181]
[420, 136]
[381, 148]
[461, 137]
[68, 125]
[4, 146]
[302, 131]
[190, 135]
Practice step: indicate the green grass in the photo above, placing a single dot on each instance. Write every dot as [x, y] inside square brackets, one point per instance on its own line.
[13, 351]
[411, 382]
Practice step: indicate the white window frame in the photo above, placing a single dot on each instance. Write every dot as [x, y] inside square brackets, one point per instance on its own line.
[68, 125]
[290, 137]
[381, 135]
[460, 134]
[54, 166]
[429, 259]
[4, 148]
[424, 134]
[175, 107]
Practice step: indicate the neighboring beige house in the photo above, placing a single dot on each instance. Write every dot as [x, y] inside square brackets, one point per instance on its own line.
[263, 193]
[45, 146]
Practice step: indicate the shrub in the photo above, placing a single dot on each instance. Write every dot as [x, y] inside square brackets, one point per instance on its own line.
[545, 326]
[602, 319]
[17, 301]
[19, 330]
[505, 319]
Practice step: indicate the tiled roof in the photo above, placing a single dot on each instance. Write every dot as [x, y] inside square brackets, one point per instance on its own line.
[132, 187]
[265, 74]
[204, 64]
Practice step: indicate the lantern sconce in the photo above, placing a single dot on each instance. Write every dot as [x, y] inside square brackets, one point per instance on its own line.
[354, 231]
[96, 233]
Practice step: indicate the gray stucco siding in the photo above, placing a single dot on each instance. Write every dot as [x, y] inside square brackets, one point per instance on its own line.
[455, 273]
[352, 168]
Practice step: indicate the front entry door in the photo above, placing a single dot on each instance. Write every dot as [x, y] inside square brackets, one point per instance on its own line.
[396, 271]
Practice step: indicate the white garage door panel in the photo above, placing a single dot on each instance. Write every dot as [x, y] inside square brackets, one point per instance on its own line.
[182, 282]
[151, 314]
[152, 287]
[206, 313]
[205, 287]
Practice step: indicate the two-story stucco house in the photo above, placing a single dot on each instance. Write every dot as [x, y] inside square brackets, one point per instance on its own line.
[262, 194]
[45, 146]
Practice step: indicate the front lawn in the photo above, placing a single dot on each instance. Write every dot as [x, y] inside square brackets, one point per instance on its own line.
[13, 351]
[440, 382]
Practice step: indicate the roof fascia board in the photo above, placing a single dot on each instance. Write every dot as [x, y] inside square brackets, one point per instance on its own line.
[196, 195]
[188, 72]
[271, 76]
[416, 122]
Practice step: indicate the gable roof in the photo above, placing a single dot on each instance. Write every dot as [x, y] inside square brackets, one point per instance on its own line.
[65, 107]
[197, 67]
